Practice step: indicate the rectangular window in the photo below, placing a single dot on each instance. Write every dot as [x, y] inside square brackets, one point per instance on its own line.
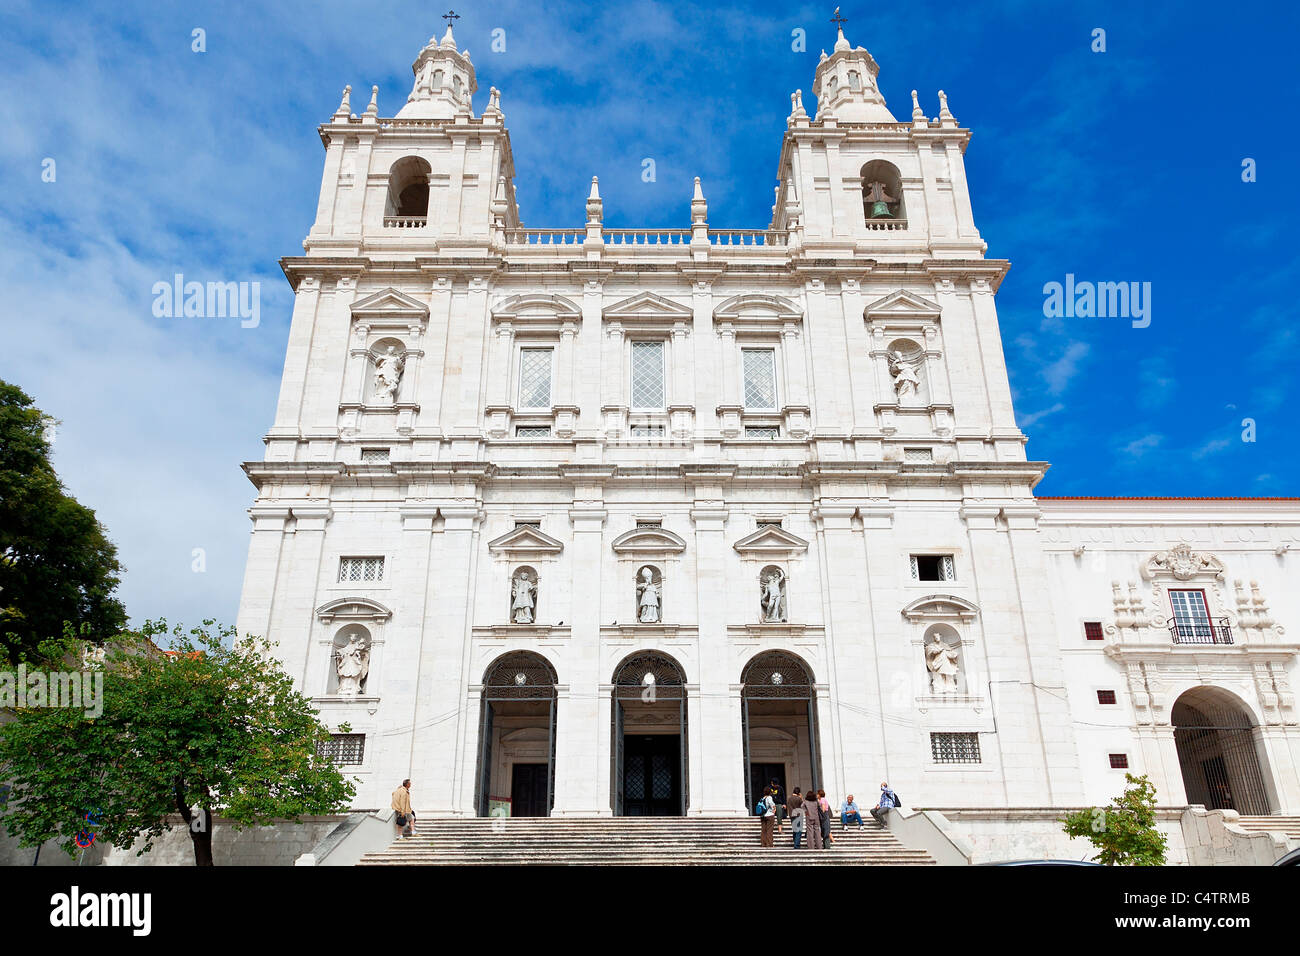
[528, 524]
[650, 523]
[534, 378]
[762, 432]
[933, 567]
[955, 748]
[920, 455]
[1191, 623]
[346, 749]
[759, 367]
[1119, 761]
[647, 375]
[367, 570]
[374, 454]
[532, 431]
[1105, 697]
[647, 431]
[1092, 631]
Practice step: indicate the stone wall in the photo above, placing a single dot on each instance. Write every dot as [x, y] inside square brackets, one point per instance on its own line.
[1034, 833]
[276, 845]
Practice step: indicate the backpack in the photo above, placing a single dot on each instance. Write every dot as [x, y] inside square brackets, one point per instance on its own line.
[760, 808]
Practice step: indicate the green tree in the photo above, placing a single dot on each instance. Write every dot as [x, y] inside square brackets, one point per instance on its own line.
[197, 730]
[1125, 832]
[56, 563]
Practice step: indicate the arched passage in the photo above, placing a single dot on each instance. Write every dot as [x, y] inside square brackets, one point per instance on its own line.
[648, 749]
[1219, 751]
[516, 742]
[779, 724]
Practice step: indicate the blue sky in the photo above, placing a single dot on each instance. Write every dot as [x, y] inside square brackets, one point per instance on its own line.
[1115, 166]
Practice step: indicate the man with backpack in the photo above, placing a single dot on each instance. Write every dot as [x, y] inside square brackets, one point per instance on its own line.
[888, 800]
[766, 808]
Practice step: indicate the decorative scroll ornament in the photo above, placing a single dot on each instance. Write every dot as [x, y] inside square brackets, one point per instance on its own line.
[1183, 563]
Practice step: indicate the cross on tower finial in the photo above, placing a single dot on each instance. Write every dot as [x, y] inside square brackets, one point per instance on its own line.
[451, 15]
[838, 20]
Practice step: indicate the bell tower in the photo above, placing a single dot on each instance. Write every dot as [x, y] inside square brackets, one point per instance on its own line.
[845, 86]
[444, 82]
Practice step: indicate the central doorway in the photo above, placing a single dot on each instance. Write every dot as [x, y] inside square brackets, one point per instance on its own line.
[779, 725]
[516, 738]
[528, 789]
[1219, 752]
[648, 746]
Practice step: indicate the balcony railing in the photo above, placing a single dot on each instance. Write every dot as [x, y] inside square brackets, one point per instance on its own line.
[1208, 632]
[405, 222]
[887, 225]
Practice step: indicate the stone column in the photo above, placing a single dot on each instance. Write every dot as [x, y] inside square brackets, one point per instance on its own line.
[356, 205]
[329, 185]
[289, 408]
[262, 570]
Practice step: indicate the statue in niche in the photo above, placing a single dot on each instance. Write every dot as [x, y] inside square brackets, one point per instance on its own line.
[523, 598]
[906, 382]
[774, 597]
[352, 665]
[647, 597]
[941, 660]
[874, 193]
[388, 373]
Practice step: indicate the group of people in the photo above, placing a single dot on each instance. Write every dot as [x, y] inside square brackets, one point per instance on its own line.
[809, 813]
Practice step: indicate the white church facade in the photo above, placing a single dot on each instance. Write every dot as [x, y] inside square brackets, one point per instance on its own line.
[599, 521]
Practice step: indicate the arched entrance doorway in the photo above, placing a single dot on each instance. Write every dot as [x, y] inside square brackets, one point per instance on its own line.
[1219, 752]
[516, 738]
[779, 724]
[648, 776]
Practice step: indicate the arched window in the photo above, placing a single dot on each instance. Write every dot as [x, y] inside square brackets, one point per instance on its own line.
[408, 189]
[882, 191]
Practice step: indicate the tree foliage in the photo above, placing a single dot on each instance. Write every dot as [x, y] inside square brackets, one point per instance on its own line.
[1125, 832]
[56, 563]
[198, 730]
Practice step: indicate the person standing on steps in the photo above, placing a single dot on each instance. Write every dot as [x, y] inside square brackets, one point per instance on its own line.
[825, 806]
[778, 797]
[888, 800]
[405, 816]
[813, 819]
[768, 806]
[798, 820]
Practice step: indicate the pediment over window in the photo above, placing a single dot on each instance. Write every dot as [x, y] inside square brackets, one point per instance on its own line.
[902, 304]
[525, 541]
[390, 303]
[352, 609]
[647, 541]
[941, 607]
[771, 542]
[753, 309]
[1183, 564]
[648, 309]
[536, 311]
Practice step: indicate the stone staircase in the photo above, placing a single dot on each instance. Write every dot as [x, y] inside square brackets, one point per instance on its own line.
[1287, 828]
[631, 841]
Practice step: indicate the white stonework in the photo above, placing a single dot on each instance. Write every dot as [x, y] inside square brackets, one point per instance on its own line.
[579, 406]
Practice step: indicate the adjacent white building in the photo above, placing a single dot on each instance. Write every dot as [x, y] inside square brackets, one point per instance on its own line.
[598, 521]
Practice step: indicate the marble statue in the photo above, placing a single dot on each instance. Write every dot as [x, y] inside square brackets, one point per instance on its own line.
[524, 599]
[352, 664]
[647, 598]
[774, 597]
[906, 381]
[388, 373]
[941, 660]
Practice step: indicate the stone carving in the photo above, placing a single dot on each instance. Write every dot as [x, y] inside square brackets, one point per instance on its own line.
[1184, 563]
[647, 597]
[352, 665]
[941, 661]
[523, 593]
[906, 382]
[388, 374]
[773, 596]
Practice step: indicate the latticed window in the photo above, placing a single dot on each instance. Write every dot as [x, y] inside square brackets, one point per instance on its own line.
[346, 749]
[374, 454]
[1105, 697]
[933, 567]
[955, 748]
[1118, 761]
[534, 378]
[647, 375]
[1092, 631]
[918, 454]
[647, 431]
[361, 570]
[762, 432]
[532, 431]
[760, 377]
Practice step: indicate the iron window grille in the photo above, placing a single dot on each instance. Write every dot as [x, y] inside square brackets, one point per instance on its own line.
[647, 431]
[1119, 761]
[346, 749]
[374, 454]
[364, 570]
[1106, 697]
[532, 431]
[760, 378]
[762, 432]
[918, 454]
[955, 748]
[647, 375]
[1092, 631]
